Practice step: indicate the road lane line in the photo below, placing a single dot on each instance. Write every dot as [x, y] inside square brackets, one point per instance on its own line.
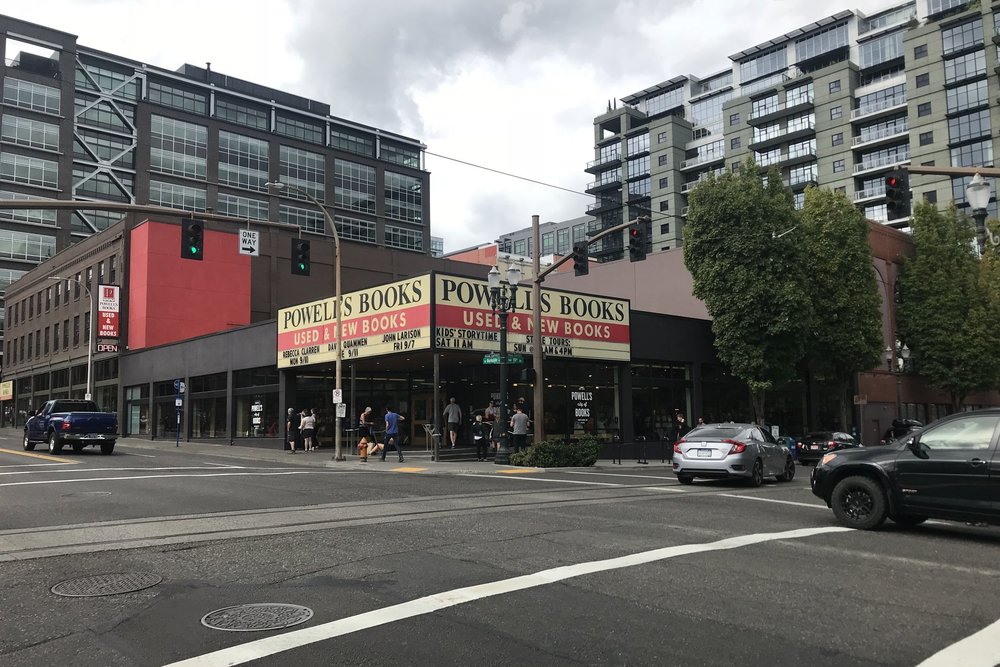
[540, 479]
[519, 471]
[668, 489]
[33, 455]
[666, 478]
[145, 456]
[135, 477]
[261, 648]
[161, 469]
[774, 500]
[979, 650]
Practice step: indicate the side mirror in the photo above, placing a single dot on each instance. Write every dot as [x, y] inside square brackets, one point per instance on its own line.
[913, 444]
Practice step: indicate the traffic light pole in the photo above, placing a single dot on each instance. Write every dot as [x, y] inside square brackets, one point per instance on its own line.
[536, 312]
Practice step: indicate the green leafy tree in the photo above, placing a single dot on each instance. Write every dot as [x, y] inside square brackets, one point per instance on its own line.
[749, 276]
[845, 334]
[948, 312]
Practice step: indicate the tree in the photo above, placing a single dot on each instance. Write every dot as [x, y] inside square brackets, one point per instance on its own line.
[750, 279]
[947, 313]
[845, 334]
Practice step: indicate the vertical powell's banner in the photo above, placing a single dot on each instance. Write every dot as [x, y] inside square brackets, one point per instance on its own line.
[573, 325]
[108, 307]
[381, 320]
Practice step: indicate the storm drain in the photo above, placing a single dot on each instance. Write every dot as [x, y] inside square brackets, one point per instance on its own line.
[106, 584]
[256, 617]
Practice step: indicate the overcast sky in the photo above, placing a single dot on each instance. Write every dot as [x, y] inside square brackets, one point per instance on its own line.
[512, 85]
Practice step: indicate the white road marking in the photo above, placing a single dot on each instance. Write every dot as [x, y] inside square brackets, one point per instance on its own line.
[32, 465]
[671, 489]
[145, 456]
[774, 500]
[979, 650]
[255, 650]
[63, 469]
[134, 477]
[665, 478]
[540, 479]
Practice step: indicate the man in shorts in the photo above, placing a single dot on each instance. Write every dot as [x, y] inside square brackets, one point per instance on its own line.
[453, 416]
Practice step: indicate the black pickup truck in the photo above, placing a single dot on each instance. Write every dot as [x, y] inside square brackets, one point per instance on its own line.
[73, 422]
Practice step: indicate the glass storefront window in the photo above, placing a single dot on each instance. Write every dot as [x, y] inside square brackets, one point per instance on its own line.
[136, 410]
[208, 417]
[257, 416]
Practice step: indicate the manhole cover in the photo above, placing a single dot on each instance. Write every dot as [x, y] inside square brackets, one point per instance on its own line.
[105, 584]
[256, 617]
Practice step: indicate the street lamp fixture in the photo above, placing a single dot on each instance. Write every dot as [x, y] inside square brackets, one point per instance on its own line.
[503, 297]
[90, 343]
[277, 185]
[978, 192]
[900, 355]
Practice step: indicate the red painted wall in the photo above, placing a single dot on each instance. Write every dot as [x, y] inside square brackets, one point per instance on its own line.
[172, 299]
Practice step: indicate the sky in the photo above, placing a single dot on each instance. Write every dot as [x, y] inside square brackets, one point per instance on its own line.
[510, 85]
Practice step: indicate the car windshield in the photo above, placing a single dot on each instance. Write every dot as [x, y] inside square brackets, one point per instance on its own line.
[716, 432]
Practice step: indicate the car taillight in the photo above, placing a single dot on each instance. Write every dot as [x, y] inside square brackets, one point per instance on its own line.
[66, 425]
[737, 446]
[677, 446]
[799, 445]
[831, 444]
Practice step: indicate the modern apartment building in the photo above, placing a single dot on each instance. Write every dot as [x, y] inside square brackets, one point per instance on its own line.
[556, 238]
[78, 123]
[835, 103]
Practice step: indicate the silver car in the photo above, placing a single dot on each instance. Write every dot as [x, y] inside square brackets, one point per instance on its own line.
[731, 450]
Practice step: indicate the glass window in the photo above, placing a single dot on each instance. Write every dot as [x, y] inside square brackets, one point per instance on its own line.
[661, 102]
[520, 247]
[763, 64]
[242, 207]
[664, 183]
[308, 219]
[101, 113]
[401, 237]
[7, 276]
[408, 156]
[257, 415]
[403, 197]
[764, 105]
[242, 113]
[299, 128]
[973, 155]
[29, 170]
[102, 148]
[836, 112]
[972, 432]
[965, 67]
[562, 241]
[25, 246]
[579, 233]
[835, 86]
[32, 133]
[159, 92]
[103, 184]
[355, 229]
[920, 51]
[924, 109]
[968, 96]
[304, 170]
[926, 138]
[734, 119]
[938, 6]
[661, 161]
[961, 37]
[837, 139]
[31, 96]
[243, 161]
[838, 166]
[102, 78]
[33, 216]
[176, 196]
[923, 80]
[352, 142]
[637, 144]
[709, 110]
[638, 167]
[881, 50]
[826, 40]
[969, 126]
[178, 148]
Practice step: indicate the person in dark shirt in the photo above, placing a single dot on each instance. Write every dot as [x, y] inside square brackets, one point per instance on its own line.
[292, 429]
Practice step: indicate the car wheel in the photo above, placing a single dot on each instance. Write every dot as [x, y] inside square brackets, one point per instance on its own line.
[77, 447]
[28, 444]
[55, 445]
[756, 474]
[107, 447]
[909, 520]
[789, 473]
[685, 479]
[859, 502]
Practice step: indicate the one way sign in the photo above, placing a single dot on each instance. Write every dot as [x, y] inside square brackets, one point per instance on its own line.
[249, 243]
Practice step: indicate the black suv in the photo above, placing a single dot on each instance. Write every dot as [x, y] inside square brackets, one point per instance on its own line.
[947, 470]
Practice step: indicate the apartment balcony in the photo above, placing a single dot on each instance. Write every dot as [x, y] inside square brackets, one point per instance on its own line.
[789, 159]
[784, 135]
[609, 184]
[603, 163]
[884, 135]
[684, 211]
[598, 207]
[780, 110]
[882, 108]
[871, 194]
[702, 160]
[881, 164]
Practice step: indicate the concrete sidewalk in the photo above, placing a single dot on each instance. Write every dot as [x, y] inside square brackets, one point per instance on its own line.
[413, 459]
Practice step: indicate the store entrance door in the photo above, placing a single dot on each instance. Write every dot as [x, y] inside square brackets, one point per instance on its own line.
[422, 409]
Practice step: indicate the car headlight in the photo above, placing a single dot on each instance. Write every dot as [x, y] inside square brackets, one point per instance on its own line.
[827, 458]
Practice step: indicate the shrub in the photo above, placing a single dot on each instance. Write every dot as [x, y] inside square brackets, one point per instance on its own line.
[559, 454]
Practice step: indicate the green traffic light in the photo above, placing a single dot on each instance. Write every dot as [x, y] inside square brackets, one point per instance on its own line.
[302, 267]
[193, 249]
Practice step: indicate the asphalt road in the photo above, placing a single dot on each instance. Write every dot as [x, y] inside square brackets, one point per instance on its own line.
[404, 565]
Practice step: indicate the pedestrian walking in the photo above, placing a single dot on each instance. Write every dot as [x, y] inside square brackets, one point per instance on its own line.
[453, 416]
[682, 426]
[392, 420]
[519, 428]
[308, 426]
[480, 433]
[292, 429]
[365, 423]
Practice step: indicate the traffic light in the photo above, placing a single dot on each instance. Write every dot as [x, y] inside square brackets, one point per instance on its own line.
[581, 263]
[897, 194]
[636, 244]
[300, 257]
[528, 375]
[192, 239]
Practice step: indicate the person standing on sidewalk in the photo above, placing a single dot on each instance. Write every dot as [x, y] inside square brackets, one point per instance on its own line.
[519, 428]
[453, 416]
[392, 420]
[480, 431]
[292, 429]
[308, 426]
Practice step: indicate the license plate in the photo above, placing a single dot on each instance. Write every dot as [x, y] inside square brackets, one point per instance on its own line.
[96, 436]
[705, 453]
[814, 447]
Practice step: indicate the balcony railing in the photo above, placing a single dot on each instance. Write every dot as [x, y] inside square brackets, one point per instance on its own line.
[876, 107]
[882, 162]
[869, 193]
[791, 129]
[703, 159]
[603, 160]
[780, 106]
[884, 133]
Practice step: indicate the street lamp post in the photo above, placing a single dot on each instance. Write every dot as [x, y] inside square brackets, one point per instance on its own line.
[503, 295]
[978, 193]
[896, 359]
[90, 342]
[338, 444]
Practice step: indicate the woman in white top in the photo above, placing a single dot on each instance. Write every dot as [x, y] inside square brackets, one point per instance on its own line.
[308, 429]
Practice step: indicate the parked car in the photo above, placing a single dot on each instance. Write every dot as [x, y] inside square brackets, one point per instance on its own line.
[78, 423]
[812, 447]
[743, 451]
[899, 429]
[947, 470]
[789, 442]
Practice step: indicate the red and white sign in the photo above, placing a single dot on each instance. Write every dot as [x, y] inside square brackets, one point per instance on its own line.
[108, 306]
